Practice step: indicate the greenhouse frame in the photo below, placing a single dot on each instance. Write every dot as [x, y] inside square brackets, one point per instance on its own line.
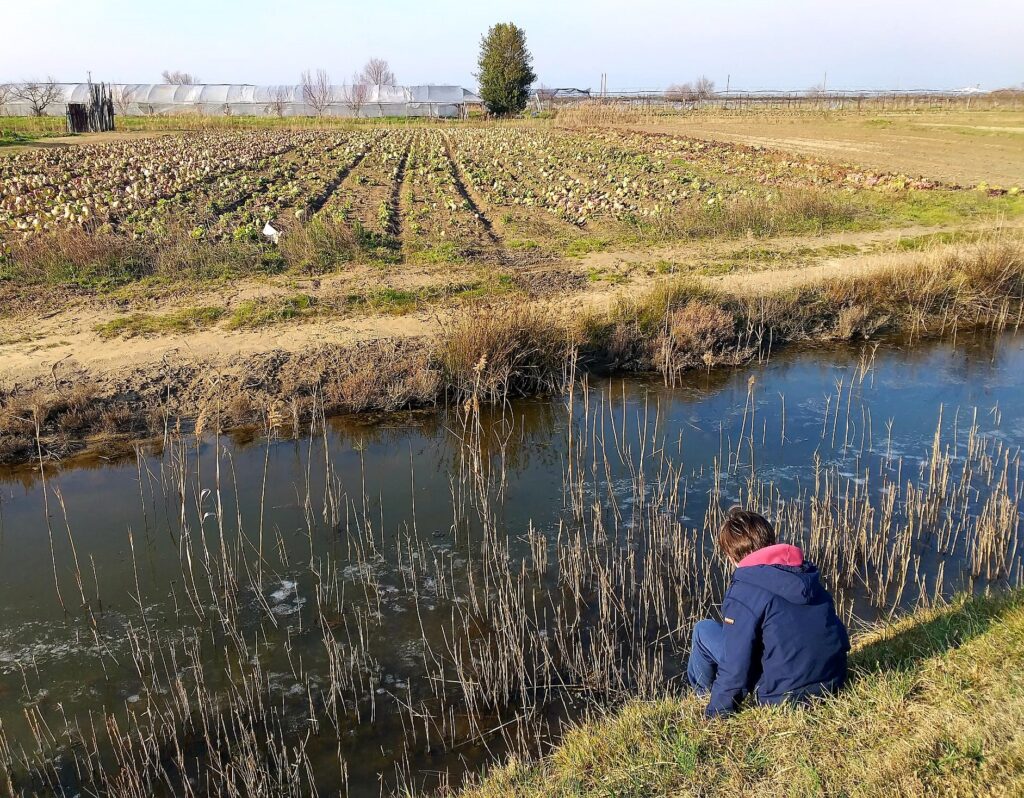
[163, 99]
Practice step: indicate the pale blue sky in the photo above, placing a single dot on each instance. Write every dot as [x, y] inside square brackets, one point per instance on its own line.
[639, 43]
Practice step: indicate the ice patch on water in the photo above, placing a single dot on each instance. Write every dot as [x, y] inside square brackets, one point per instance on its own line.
[282, 593]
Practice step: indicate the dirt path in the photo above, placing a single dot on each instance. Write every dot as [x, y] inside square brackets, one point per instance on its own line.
[35, 348]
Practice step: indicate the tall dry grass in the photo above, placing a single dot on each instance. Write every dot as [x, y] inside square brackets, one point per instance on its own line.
[790, 210]
[683, 324]
[493, 351]
[76, 258]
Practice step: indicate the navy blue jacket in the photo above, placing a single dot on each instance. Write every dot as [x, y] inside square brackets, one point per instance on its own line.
[783, 639]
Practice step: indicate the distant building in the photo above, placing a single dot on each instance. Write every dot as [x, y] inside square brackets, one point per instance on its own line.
[219, 99]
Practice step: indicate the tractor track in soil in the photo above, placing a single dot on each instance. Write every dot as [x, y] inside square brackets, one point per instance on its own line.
[319, 202]
[395, 224]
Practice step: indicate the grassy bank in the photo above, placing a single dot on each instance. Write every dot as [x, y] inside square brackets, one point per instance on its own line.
[936, 707]
[493, 350]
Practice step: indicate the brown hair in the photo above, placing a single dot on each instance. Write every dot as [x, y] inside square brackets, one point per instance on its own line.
[743, 532]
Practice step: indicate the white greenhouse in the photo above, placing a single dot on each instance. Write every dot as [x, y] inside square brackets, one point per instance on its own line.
[151, 99]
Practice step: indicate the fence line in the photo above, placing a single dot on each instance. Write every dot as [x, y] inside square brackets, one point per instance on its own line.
[834, 100]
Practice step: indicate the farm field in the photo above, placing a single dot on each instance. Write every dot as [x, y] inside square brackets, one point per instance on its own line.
[955, 146]
[142, 258]
[404, 403]
[561, 185]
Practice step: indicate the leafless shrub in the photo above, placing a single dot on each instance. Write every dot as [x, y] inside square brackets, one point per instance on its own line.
[279, 97]
[680, 93]
[376, 72]
[700, 327]
[701, 89]
[698, 333]
[179, 78]
[857, 320]
[123, 97]
[384, 375]
[317, 92]
[817, 91]
[356, 95]
[704, 87]
[39, 95]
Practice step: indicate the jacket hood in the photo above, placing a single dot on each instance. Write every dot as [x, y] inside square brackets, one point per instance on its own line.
[777, 554]
[781, 569]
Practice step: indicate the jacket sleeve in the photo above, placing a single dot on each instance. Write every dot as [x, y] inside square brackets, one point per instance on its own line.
[741, 629]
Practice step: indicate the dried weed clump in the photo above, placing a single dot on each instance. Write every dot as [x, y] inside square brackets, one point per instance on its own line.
[681, 324]
[696, 333]
[492, 352]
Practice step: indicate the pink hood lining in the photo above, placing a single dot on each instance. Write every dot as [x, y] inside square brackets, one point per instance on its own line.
[777, 554]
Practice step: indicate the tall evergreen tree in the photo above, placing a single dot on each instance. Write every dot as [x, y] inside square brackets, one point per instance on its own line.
[506, 69]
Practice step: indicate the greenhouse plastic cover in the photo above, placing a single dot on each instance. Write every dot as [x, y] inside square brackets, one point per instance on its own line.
[148, 99]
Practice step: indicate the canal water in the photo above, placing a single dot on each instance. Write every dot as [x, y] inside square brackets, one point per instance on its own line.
[365, 575]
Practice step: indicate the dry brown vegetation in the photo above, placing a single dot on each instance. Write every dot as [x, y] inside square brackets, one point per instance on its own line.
[493, 350]
[587, 618]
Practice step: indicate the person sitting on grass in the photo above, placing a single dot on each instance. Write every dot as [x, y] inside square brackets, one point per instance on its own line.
[780, 637]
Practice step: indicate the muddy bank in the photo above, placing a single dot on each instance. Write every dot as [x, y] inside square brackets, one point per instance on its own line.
[492, 351]
[75, 411]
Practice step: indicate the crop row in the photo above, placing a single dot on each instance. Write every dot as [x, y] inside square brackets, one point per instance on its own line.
[231, 185]
[45, 189]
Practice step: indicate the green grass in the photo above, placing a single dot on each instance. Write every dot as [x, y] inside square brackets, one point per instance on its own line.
[935, 707]
[24, 129]
[605, 276]
[181, 321]
[256, 313]
[578, 247]
[441, 252]
[396, 301]
[12, 137]
[938, 207]
[524, 244]
[266, 311]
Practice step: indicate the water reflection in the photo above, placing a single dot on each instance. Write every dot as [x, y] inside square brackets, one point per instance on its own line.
[402, 541]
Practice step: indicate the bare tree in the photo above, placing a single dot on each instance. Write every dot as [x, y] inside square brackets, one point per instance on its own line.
[817, 90]
[704, 88]
[6, 92]
[376, 72]
[178, 78]
[279, 97]
[316, 90]
[357, 94]
[124, 96]
[680, 93]
[39, 95]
